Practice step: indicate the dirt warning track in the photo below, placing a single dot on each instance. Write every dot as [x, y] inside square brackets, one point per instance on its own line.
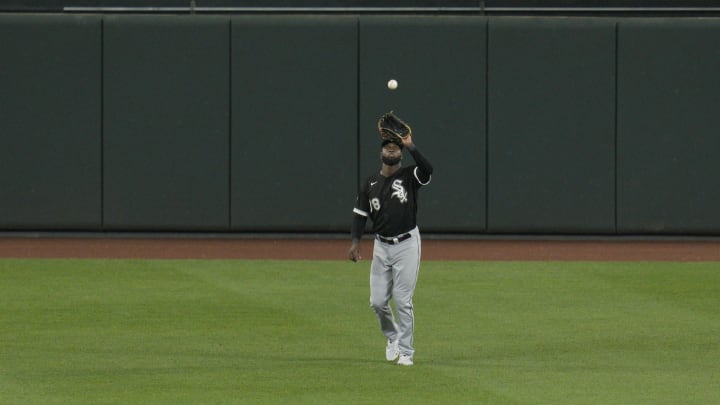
[336, 249]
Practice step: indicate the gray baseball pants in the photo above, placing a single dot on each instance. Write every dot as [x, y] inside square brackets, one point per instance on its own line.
[393, 274]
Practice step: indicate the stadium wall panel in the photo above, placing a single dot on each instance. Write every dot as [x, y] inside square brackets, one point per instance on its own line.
[267, 123]
[50, 128]
[551, 103]
[668, 123]
[166, 105]
[294, 123]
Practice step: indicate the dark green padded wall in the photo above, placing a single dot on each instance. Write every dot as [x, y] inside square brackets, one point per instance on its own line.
[294, 124]
[439, 63]
[50, 122]
[668, 142]
[267, 123]
[551, 98]
[166, 124]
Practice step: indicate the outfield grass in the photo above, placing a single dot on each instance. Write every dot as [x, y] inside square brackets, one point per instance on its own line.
[185, 331]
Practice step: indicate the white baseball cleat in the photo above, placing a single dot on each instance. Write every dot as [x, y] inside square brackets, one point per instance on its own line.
[392, 351]
[405, 360]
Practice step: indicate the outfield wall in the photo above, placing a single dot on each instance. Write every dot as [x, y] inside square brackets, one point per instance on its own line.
[266, 123]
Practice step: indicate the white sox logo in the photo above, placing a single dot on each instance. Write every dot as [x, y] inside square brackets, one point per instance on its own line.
[400, 192]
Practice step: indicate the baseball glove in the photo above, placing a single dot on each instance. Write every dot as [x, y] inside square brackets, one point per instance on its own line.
[392, 128]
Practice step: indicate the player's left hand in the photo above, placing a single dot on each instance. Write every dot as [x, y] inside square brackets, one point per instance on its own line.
[407, 141]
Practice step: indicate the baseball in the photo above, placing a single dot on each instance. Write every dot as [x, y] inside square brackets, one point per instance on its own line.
[392, 84]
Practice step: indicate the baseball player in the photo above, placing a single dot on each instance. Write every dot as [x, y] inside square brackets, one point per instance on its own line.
[389, 199]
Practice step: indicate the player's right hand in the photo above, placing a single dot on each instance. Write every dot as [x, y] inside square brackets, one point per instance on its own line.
[354, 253]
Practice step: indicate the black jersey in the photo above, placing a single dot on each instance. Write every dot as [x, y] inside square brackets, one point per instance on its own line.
[390, 202]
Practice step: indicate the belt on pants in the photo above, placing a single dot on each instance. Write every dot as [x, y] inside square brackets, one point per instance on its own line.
[394, 240]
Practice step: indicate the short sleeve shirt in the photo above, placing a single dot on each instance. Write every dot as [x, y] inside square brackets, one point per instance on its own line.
[390, 202]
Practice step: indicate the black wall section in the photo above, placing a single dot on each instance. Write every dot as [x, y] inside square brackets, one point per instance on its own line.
[439, 63]
[166, 86]
[294, 124]
[266, 123]
[668, 104]
[551, 98]
[50, 122]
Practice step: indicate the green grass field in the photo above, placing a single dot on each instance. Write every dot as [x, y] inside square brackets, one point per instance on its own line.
[192, 332]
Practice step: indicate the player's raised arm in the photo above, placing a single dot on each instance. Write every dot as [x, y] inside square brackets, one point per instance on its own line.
[424, 166]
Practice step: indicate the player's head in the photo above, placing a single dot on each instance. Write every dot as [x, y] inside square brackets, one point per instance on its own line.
[391, 152]
[395, 141]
